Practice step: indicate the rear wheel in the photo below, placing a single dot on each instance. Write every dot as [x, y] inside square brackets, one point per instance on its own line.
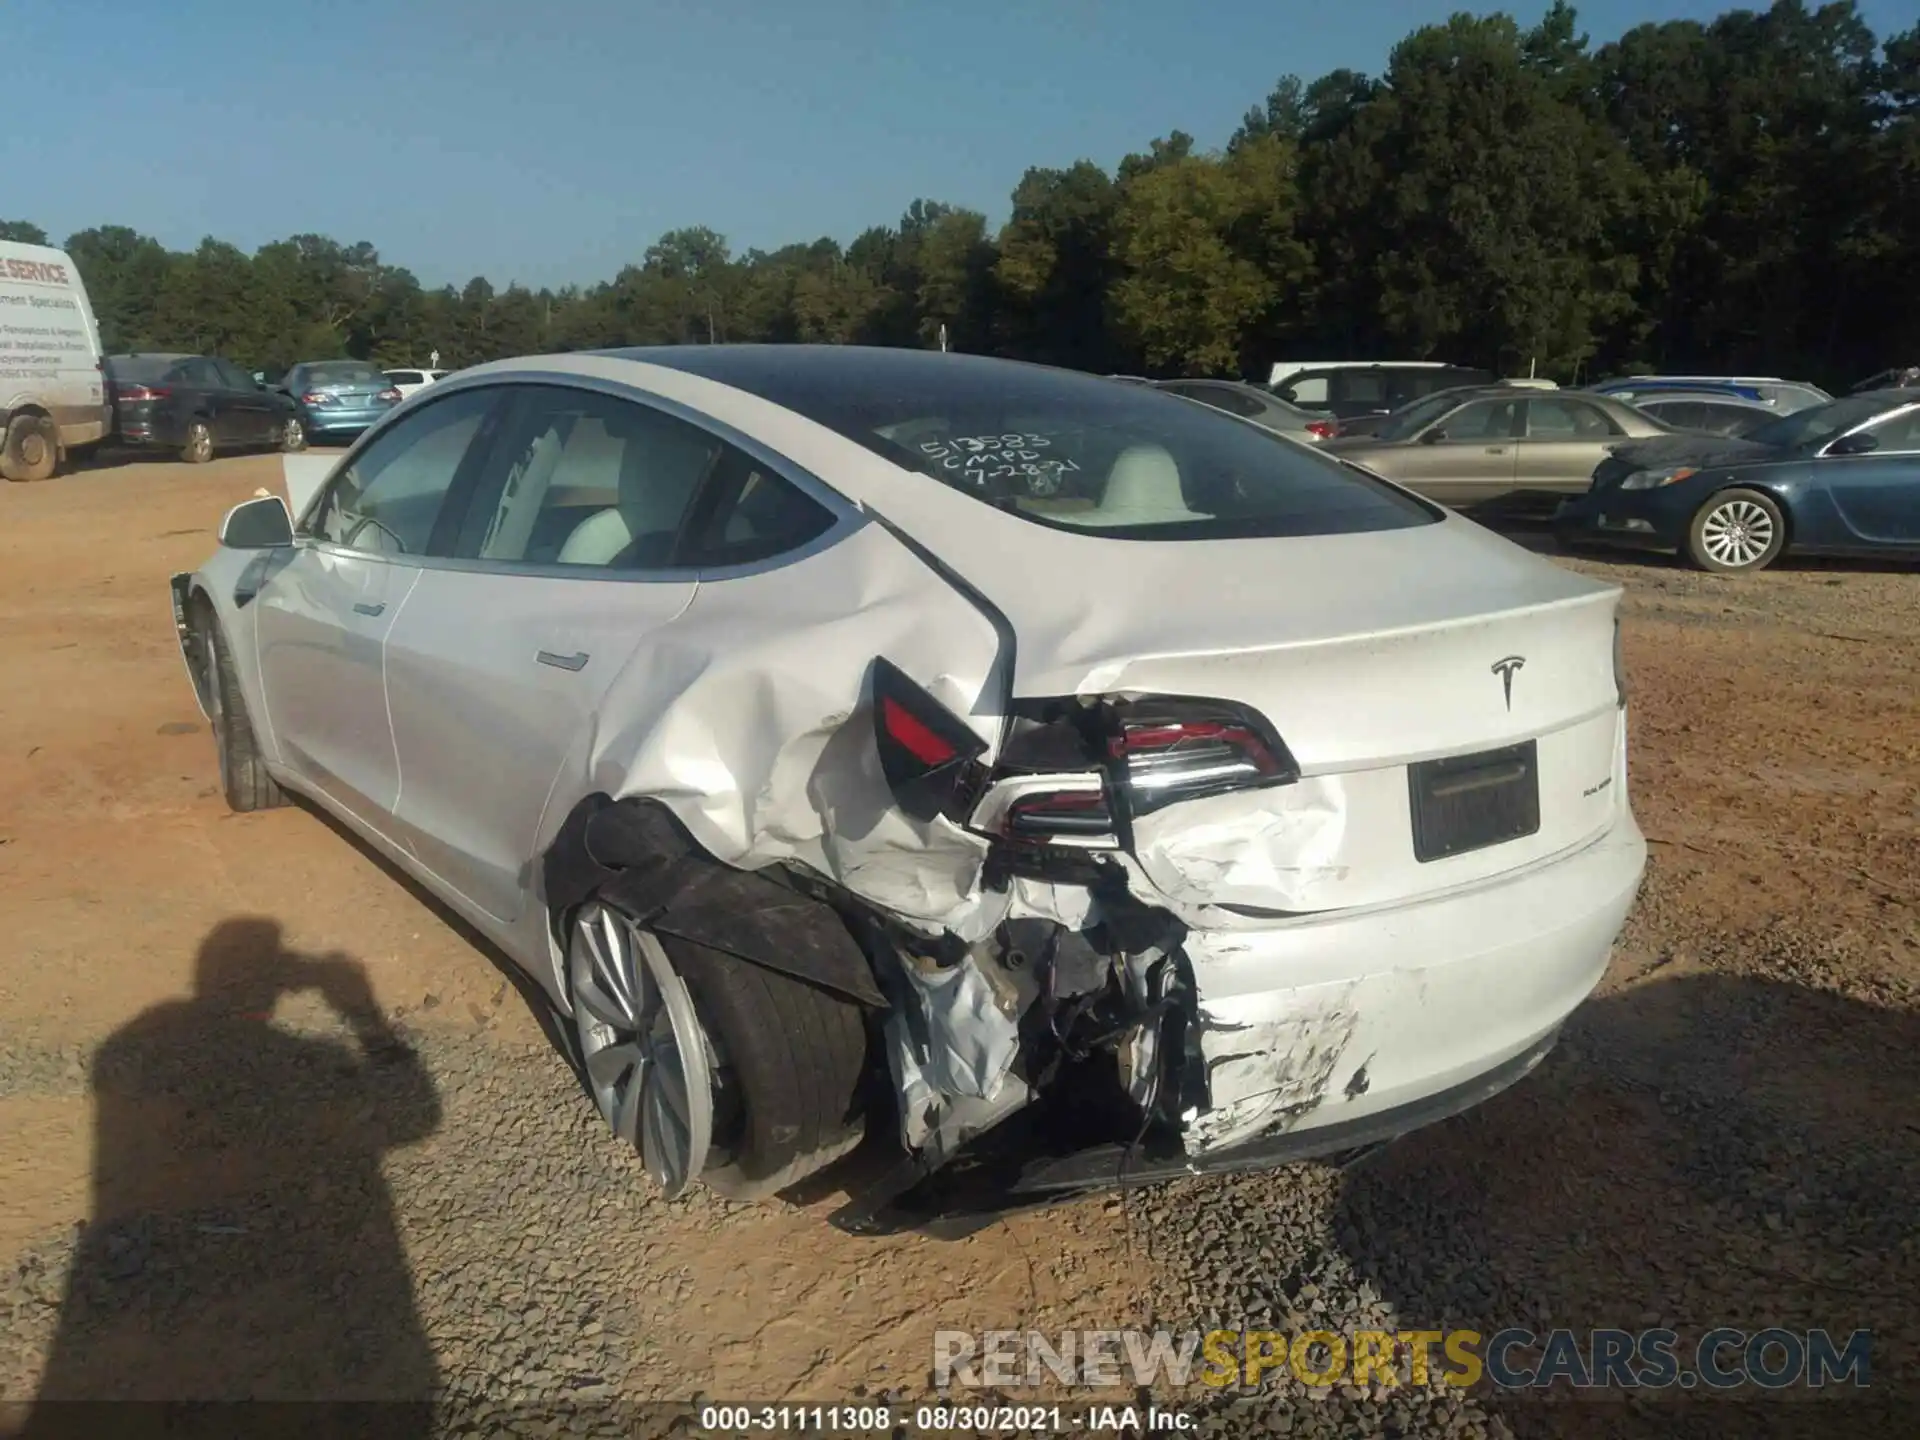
[30, 450]
[1737, 531]
[199, 447]
[243, 772]
[711, 1067]
[293, 435]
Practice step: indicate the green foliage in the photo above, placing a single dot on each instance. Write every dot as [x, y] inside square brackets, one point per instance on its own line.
[1740, 193]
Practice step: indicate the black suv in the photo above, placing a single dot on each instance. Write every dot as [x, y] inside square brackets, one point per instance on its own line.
[1349, 391]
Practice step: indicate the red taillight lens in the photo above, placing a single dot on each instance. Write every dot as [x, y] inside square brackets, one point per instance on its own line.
[1172, 750]
[913, 736]
[140, 392]
[1323, 429]
[316, 397]
[389, 397]
[926, 751]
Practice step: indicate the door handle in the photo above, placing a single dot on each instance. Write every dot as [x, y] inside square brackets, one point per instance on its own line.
[575, 661]
[1496, 449]
[362, 608]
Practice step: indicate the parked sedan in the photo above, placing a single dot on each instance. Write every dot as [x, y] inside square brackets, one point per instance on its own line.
[1496, 443]
[1838, 479]
[338, 399]
[195, 406]
[750, 699]
[1250, 402]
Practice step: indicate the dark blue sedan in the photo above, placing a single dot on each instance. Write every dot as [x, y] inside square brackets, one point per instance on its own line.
[1837, 479]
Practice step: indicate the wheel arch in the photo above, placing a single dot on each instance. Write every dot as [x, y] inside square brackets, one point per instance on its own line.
[635, 852]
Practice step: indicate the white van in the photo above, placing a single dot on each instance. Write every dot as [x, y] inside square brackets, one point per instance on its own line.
[52, 392]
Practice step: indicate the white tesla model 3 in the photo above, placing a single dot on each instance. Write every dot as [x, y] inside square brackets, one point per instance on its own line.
[1032, 771]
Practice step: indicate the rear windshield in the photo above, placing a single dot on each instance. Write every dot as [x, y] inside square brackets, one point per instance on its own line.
[143, 369]
[1063, 449]
[343, 372]
[404, 377]
[1410, 419]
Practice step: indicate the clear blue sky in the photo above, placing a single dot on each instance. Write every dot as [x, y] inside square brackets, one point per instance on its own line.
[551, 142]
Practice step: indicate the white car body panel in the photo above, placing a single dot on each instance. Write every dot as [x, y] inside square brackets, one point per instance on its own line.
[728, 699]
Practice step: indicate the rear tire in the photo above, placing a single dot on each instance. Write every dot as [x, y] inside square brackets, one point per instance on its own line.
[199, 447]
[293, 436]
[796, 1054]
[778, 1062]
[243, 773]
[31, 449]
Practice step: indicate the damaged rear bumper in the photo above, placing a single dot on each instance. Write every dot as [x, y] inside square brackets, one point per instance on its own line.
[1324, 1034]
[1332, 1019]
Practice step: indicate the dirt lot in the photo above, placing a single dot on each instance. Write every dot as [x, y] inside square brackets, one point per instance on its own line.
[1727, 1138]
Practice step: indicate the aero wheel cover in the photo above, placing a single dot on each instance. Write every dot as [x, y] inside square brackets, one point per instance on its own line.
[642, 1045]
[1736, 533]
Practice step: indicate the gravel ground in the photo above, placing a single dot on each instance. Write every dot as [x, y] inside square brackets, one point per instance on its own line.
[198, 1204]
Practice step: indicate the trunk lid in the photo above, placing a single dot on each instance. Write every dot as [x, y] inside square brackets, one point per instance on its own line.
[1373, 656]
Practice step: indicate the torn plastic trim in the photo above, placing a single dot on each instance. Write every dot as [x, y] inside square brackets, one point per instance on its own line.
[636, 853]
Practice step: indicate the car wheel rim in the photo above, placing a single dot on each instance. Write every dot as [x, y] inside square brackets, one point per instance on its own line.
[641, 1043]
[296, 435]
[199, 442]
[1737, 533]
[33, 448]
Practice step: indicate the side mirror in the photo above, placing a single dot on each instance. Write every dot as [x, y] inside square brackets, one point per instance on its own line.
[262, 524]
[1859, 443]
[1432, 437]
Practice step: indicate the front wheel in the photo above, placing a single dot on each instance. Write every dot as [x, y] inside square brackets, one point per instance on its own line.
[243, 771]
[30, 450]
[1737, 531]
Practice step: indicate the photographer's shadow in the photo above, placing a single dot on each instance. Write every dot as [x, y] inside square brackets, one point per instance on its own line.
[242, 1243]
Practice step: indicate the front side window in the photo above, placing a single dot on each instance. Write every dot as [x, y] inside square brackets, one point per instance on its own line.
[1483, 420]
[1897, 433]
[581, 478]
[388, 497]
[233, 377]
[1066, 450]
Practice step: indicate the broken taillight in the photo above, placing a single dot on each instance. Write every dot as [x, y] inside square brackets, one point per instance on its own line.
[926, 751]
[1148, 753]
[1172, 750]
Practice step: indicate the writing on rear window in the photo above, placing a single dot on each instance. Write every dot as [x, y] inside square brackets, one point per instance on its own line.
[979, 459]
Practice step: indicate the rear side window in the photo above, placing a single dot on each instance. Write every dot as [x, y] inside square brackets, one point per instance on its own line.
[750, 515]
[1361, 387]
[1567, 420]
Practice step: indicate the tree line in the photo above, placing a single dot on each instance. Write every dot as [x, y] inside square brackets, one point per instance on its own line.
[1737, 195]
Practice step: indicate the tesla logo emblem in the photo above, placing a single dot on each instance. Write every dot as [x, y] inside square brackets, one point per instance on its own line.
[1505, 670]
